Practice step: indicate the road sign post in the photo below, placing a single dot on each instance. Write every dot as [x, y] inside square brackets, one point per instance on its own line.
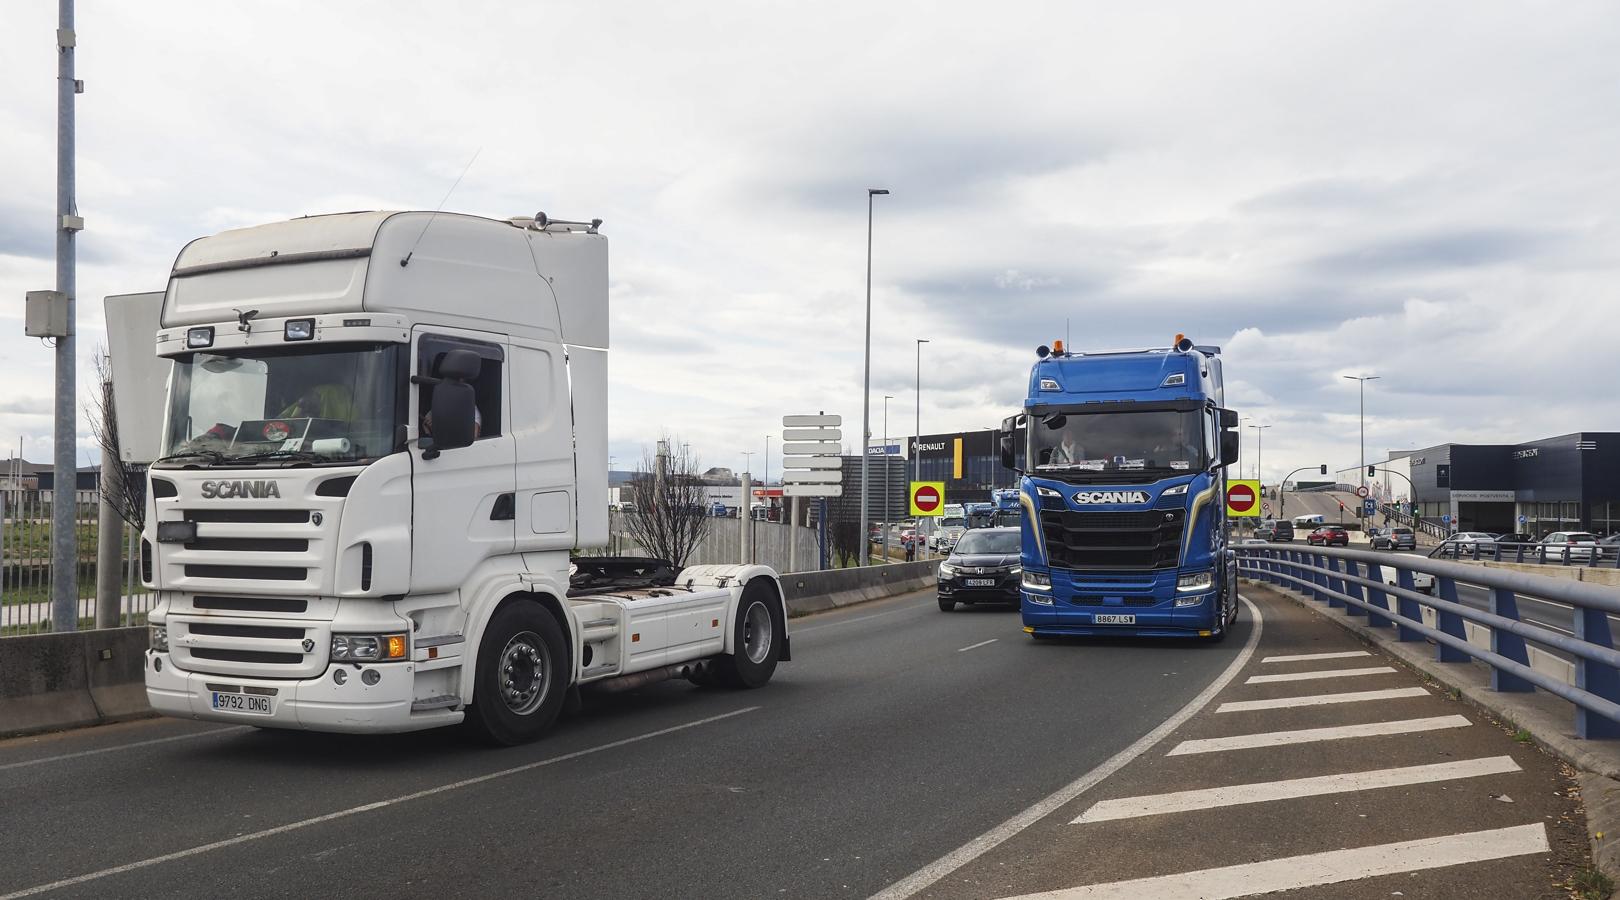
[811, 466]
[1243, 498]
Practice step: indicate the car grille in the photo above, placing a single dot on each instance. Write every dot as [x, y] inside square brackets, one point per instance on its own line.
[1130, 540]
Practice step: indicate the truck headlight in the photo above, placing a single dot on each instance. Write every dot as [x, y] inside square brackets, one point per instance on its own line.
[158, 636]
[1189, 600]
[1037, 581]
[367, 647]
[1196, 581]
[946, 570]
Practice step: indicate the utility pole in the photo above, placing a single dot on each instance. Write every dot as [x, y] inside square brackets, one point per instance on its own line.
[1259, 453]
[916, 437]
[887, 520]
[64, 540]
[866, 381]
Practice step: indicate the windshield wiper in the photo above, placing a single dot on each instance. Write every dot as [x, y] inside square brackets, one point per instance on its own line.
[307, 455]
[210, 455]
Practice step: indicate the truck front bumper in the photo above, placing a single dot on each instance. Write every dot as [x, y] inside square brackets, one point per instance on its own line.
[1162, 619]
[313, 704]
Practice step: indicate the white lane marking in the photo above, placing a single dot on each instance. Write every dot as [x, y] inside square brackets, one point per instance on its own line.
[1293, 788]
[1315, 676]
[367, 807]
[1311, 735]
[975, 646]
[1304, 657]
[1321, 699]
[1312, 869]
[213, 732]
[907, 608]
[968, 852]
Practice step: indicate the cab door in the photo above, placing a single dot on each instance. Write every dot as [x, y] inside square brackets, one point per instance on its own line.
[462, 506]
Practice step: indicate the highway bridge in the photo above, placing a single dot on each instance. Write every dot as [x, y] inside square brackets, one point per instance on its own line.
[904, 752]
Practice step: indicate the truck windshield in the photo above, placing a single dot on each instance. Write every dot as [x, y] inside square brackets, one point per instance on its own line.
[275, 405]
[952, 522]
[1167, 440]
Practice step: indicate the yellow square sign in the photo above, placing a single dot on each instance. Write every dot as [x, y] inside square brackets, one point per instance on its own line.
[1242, 497]
[927, 498]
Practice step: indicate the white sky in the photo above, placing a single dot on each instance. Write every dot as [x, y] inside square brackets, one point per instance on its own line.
[1422, 191]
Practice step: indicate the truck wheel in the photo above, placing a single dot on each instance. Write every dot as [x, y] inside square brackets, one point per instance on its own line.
[521, 681]
[758, 640]
[946, 605]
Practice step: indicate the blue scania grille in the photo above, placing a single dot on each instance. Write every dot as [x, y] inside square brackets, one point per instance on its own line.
[1113, 541]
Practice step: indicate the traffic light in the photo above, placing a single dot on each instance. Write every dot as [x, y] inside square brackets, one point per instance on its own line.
[1372, 471]
[1324, 468]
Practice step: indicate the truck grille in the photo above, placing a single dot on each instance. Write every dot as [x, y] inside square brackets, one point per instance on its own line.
[247, 647]
[1130, 540]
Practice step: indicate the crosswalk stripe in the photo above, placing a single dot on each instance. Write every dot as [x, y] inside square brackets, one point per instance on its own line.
[1306, 657]
[1317, 675]
[1312, 869]
[1321, 699]
[1310, 735]
[1261, 792]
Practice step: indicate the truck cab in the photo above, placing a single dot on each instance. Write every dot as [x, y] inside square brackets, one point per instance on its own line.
[384, 434]
[1124, 527]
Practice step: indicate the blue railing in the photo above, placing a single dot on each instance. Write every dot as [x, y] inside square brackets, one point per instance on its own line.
[1358, 581]
[1588, 555]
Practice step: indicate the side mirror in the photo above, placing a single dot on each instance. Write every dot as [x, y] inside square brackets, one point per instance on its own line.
[1229, 447]
[1229, 418]
[1008, 443]
[454, 415]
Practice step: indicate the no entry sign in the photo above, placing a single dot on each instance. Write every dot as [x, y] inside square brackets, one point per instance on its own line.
[927, 498]
[1243, 497]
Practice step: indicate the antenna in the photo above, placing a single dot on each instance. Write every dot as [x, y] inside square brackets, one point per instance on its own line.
[407, 258]
[1066, 341]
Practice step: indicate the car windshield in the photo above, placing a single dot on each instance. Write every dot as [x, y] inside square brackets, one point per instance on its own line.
[1002, 542]
[1164, 440]
[275, 405]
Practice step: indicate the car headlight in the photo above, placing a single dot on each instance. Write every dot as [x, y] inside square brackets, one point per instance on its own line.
[158, 637]
[367, 647]
[1196, 581]
[1037, 581]
[946, 570]
[1016, 570]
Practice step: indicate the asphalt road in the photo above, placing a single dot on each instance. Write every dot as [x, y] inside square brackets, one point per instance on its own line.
[897, 734]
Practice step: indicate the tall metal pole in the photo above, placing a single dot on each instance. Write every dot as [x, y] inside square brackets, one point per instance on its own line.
[866, 381]
[916, 436]
[767, 479]
[1363, 379]
[887, 519]
[64, 540]
[1259, 453]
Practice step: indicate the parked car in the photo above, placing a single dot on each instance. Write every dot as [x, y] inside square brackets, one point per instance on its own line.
[1515, 537]
[1468, 543]
[1328, 535]
[1254, 541]
[1609, 547]
[1561, 545]
[982, 568]
[1397, 538]
[1421, 581]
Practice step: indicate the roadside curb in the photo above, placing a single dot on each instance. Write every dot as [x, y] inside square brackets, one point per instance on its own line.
[1549, 720]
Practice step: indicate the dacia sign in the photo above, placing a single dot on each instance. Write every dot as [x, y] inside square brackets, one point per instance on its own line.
[1088, 497]
[227, 490]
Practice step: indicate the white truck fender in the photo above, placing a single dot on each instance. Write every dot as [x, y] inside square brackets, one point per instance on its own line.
[735, 578]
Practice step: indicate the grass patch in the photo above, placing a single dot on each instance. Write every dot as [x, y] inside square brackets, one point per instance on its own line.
[1523, 736]
[1591, 884]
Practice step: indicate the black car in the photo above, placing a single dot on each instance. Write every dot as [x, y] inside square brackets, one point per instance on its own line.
[1276, 532]
[982, 568]
[1515, 537]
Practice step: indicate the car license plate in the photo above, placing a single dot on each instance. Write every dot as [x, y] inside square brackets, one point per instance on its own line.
[1112, 619]
[981, 582]
[252, 704]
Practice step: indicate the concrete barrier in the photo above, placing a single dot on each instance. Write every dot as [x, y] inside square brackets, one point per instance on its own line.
[809, 592]
[50, 681]
[56, 681]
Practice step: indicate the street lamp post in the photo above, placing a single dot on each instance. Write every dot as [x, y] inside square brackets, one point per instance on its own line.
[767, 460]
[1363, 379]
[1244, 424]
[1259, 453]
[866, 382]
[887, 520]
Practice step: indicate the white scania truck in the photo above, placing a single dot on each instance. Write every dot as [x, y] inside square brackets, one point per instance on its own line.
[384, 435]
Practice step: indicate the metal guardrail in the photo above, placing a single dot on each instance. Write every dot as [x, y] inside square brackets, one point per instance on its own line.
[25, 563]
[1605, 555]
[1432, 529]
[1355, 581]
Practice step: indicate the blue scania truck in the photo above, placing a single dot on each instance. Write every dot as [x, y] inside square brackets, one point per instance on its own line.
[1122, 458]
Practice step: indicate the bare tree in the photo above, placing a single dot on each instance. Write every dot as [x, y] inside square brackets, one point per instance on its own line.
[669, 513]
[847, 542]
[127, 493]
